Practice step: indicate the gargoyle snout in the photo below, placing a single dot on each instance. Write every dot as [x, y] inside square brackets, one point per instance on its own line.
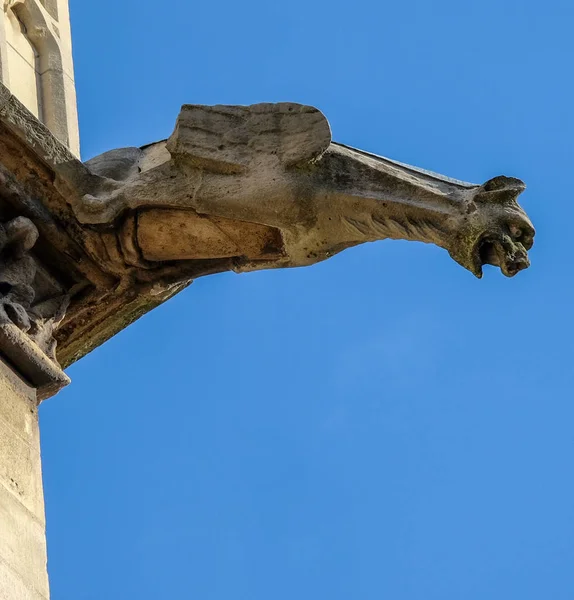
[514, 261]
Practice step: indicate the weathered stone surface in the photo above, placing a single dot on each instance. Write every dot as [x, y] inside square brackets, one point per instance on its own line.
[175, 235]
[13, 587]
[22, 522]
[20, 469]
[23, 543]
[234, 188]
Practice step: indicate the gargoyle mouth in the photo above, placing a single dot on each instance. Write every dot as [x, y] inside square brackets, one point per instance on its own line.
[504, 252]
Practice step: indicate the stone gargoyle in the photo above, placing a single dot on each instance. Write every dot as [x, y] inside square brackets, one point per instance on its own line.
[264, 186]
[244, 188]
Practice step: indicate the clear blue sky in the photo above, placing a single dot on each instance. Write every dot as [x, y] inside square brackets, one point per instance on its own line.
[382, 425]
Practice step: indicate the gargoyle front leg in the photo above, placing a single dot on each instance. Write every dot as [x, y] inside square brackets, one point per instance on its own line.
[164, 187]
[103, 206]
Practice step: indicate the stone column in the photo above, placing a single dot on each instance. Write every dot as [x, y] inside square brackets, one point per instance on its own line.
[23, 568]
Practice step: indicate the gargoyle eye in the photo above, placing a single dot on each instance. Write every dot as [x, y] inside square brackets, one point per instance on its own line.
[515, 232]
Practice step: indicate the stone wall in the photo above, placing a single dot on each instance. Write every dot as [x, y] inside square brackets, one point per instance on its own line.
[23, 570]
[37, 65]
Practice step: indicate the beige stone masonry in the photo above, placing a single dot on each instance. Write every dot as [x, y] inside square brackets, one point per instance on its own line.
[23, 559]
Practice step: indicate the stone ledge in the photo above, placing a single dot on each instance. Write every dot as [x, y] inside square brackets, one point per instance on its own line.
[28, 360]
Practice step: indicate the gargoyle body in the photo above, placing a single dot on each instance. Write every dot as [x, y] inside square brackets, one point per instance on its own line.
[264, 186]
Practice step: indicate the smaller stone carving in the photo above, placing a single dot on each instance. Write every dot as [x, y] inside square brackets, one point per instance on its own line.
[17, 272]
[17, 293]
[46, 316]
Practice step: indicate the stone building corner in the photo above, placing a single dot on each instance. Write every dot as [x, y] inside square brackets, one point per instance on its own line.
[36, 64]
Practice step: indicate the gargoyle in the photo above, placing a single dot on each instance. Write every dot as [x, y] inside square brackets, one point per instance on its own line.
[264, 186]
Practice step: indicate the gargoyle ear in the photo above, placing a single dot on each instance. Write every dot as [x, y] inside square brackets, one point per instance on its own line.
[230, 139]
[501, 190]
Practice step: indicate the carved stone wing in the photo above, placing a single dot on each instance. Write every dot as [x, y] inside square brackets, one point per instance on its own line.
[120, 164]
[231, 139]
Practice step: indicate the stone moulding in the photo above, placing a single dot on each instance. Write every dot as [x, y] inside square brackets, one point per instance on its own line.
[233, 189]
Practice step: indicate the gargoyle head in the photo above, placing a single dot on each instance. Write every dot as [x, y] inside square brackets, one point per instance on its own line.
[495, 229]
